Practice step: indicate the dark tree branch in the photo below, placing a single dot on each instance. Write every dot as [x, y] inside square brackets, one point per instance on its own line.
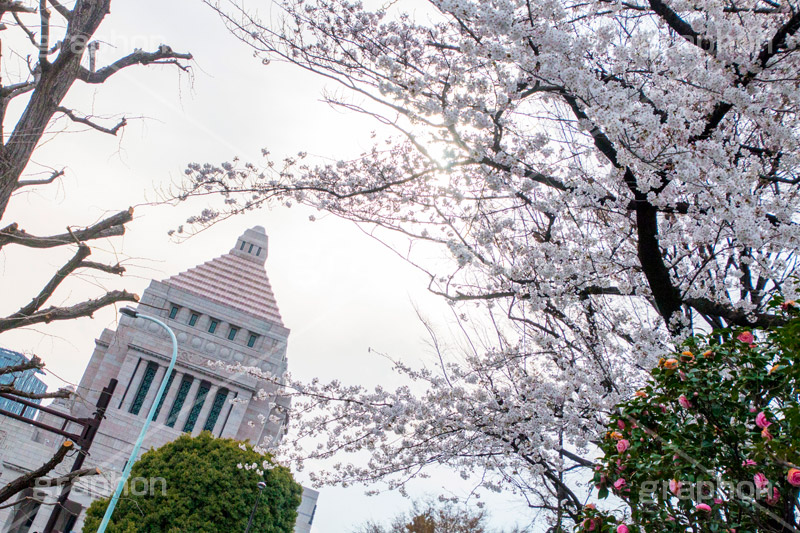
[111, 269]
[83, 309]
[577, 458]
[63, 11]
[44, 37]
[138, 57]
[27, 481]
[53, 177]
[68, 478]
[86, 120]
[734, 316]
[10, 389]
[28, 32]
[109, 227]
[768, 51]
[34, 363]
[38, 301]
[681, 27]
[55, 78]
[14, 6]
[665, 294]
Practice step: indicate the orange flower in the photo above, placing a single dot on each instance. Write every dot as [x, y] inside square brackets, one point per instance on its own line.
[671, 364]
[615, 435]
[708, 353]
[793, 477]
[640, 394]
[687, 357]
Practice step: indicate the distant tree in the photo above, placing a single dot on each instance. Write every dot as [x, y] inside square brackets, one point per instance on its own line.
[211, 486]
[431, 517]
[43, 53]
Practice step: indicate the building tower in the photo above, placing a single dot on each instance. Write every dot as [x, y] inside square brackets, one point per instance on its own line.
[223, 310]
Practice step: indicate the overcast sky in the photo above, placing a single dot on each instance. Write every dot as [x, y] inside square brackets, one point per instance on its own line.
[339, 291]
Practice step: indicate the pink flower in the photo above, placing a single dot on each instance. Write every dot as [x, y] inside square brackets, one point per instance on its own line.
[703, 507]
[766, 434]
[775, 498]
[793, 477]
[685, 403]
[674, 486]
[761, 420]
[748, 462]
[746, 337]
[623, 445]
[761, 481]
[717, 501]
[622, 528]
[752, 409]
[618, 484]
[620, 424]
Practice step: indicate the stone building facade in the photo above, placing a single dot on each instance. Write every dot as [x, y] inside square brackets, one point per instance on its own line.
[223, 310]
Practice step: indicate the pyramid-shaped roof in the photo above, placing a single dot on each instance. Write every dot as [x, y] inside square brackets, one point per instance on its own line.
[237, 279]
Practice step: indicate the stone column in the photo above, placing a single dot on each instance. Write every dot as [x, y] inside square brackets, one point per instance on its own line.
[201, 418]
[151, 394]
[134, 388]
[223, 413]
[124, 377]
[169, 396]
[187, 404]
[236, 416]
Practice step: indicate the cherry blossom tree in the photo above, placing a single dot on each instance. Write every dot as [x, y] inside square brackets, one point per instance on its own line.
[609, 176]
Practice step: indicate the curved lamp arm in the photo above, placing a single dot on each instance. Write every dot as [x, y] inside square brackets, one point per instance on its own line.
[127, 311]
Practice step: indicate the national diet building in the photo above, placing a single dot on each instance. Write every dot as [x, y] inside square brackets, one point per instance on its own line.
[223, 310]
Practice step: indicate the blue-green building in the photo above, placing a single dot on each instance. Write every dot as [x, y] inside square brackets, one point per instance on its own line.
[25, 381]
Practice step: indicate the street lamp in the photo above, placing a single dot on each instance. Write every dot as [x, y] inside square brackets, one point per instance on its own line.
[261, 486]
[133, 313]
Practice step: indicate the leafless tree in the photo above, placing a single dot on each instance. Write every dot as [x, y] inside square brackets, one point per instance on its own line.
[54, 37]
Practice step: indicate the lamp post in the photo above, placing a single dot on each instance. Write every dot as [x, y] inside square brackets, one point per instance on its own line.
[127, 311]
[261, 487]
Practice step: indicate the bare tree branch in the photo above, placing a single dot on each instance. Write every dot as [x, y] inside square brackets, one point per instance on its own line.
[138, 57]
[63, 11]
[53, 177]
[27, 481]
[68, 478]
[111, 269]
[83, 252]
[10, 389]
[14, 6]
[34, 363]
[83, 309]
[109, 227]
[85, 120]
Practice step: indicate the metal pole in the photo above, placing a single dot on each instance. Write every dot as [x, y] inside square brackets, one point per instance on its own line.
[261, 487]
[127, 470]
[89, 433]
